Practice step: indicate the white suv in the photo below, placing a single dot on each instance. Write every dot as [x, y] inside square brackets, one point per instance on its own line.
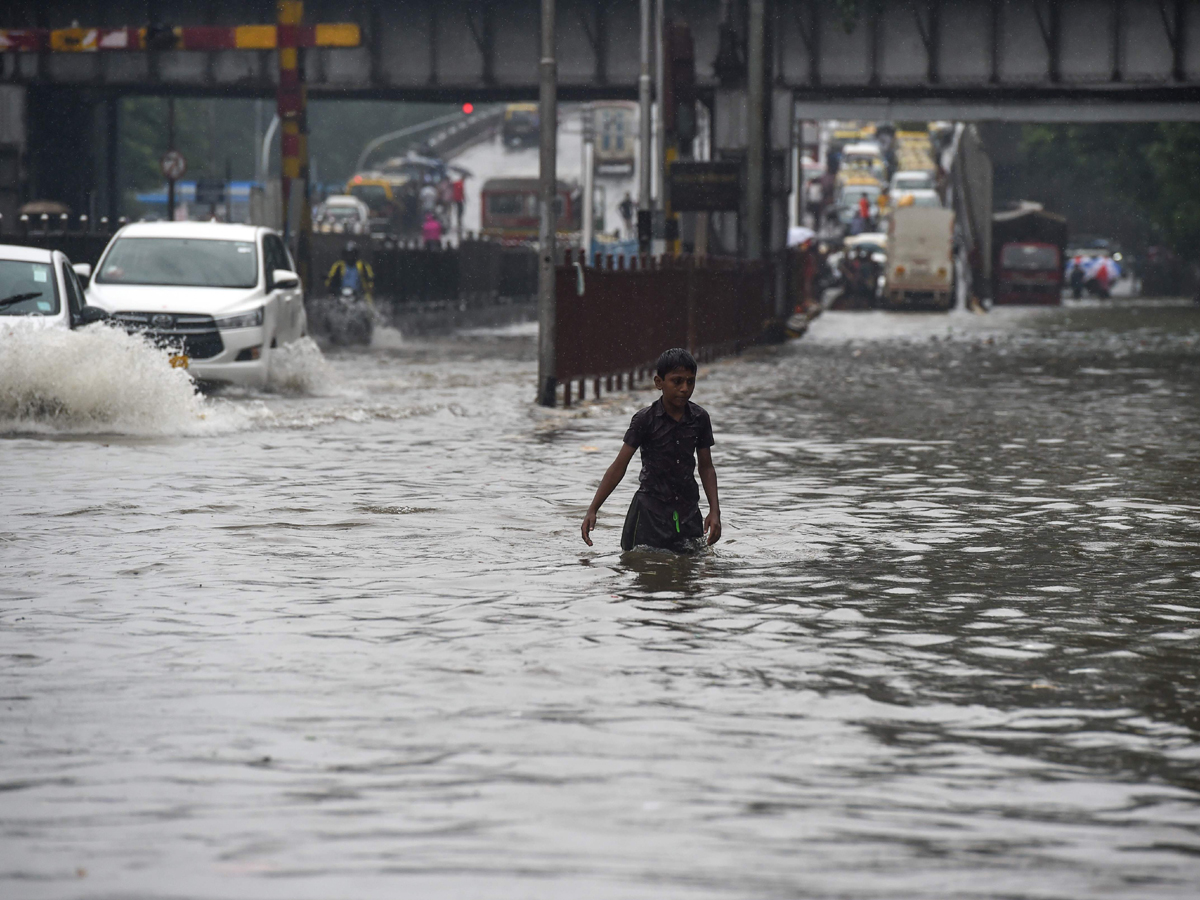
[39, 289]
[224, 296]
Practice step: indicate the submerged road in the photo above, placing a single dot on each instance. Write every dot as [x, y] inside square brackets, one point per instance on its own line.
[342, 639]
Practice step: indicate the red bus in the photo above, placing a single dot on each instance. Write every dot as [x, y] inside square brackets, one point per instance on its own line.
[510, 209]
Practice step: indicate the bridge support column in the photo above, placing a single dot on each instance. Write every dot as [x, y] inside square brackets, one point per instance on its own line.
[755, 127]
[112, 144]
[547, 192]
[293, 116]
[12, 152]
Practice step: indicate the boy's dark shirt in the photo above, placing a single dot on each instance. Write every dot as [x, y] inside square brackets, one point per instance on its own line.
[669, 450]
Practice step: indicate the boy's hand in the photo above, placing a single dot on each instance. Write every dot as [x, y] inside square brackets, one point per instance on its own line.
[712, 527]
[589, 522]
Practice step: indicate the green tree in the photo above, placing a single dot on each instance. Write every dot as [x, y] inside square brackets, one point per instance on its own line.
[1139, 182]
[1174, 160]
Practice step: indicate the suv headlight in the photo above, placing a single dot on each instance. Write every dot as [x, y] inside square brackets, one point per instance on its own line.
[245, 320]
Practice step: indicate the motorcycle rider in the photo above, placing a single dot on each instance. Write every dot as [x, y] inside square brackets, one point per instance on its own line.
[353, 273]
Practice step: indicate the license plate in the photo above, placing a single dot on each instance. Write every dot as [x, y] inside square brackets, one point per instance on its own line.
[179, 361]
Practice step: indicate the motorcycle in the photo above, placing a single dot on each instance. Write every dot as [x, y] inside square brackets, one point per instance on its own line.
[346, 317]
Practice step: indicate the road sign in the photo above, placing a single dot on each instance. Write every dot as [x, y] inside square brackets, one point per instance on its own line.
[705, 186]
[210, 192]
[173, 165]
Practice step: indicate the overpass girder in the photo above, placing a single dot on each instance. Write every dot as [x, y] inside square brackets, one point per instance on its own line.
[487, 49]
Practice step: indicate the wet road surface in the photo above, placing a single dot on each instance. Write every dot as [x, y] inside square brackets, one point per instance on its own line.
[342, 640]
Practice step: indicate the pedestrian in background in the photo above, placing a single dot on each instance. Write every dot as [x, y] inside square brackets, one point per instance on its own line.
[626, 209]
[432, 232]
[459, 195]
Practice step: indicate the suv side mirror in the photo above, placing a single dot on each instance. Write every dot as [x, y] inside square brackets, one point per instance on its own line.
[282, 278]
[90, 314]
[83, 270]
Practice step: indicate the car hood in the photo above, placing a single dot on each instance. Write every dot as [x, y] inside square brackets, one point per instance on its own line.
[171, 299]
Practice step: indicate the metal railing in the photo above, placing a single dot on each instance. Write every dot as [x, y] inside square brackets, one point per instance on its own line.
[613, 320]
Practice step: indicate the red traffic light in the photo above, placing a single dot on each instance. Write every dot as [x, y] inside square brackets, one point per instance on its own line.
[468, 108]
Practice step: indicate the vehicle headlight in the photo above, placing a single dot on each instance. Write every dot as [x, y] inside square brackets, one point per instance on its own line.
[245, 320]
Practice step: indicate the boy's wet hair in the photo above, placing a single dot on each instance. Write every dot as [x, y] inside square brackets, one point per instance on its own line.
[676, 358]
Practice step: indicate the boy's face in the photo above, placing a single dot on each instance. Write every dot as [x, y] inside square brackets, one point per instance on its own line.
[676, 386]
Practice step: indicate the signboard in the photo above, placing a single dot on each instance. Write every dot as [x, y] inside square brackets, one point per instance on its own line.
[209, 192]
[712, 186]
[173, 165]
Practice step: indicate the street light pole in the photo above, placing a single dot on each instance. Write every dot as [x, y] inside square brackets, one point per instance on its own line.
[589, 180]
[660, 132]
[547, 192]
[644, 139]
[170, 146]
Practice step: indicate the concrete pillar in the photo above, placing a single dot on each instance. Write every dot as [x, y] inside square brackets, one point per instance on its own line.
[12, 152]
[112, 161]
[755, 127]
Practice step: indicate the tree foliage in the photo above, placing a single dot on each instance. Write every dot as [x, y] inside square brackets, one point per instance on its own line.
[1147, 172]
[1174, 160]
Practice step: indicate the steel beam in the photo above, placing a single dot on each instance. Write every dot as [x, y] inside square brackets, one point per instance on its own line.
[375, 41]
[994, 42]
[595, 29]
[1050, 27]
[433, 41]
[808, 22]
[1118, 34]
[930, 31]
[483, 33]
[1011, 110]
[873, 17]
[1174, 23]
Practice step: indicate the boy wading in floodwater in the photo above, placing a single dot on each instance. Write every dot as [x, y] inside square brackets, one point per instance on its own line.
[674, 435]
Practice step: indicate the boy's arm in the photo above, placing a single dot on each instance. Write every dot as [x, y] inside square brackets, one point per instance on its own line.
[708, 478]
[608, 484]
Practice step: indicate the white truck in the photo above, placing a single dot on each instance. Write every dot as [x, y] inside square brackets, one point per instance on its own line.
[920, 265]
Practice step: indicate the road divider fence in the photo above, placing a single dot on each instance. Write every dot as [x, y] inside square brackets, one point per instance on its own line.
[410, 270]
[613, 320]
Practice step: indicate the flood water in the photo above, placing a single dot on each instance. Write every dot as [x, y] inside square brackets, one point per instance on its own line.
[343, 640]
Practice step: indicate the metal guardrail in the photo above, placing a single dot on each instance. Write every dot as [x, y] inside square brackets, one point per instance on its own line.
[409, 270]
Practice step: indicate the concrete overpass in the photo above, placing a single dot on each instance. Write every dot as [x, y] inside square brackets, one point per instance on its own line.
[977, 58]
[1031, 60]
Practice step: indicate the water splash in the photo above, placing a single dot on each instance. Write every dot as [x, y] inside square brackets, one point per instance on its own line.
[385, 337]
[97, 380]
[299, 368]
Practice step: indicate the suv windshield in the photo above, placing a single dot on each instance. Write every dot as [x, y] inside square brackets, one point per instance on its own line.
[190, 262]
[1030, 257]
[341, 211]
[27, 289]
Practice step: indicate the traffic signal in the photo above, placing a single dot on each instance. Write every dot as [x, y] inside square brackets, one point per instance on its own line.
[679, 84]
[468, 108]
